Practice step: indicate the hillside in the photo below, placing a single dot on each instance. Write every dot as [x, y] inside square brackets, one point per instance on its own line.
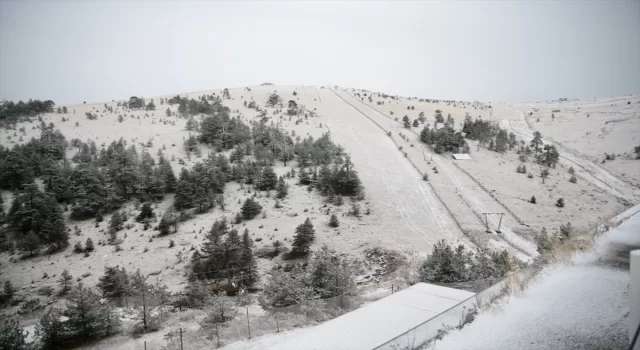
[412, 194]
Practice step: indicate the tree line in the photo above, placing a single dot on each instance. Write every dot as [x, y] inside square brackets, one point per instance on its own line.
[10, 111]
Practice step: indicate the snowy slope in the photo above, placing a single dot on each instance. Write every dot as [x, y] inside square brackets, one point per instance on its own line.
[580, 305]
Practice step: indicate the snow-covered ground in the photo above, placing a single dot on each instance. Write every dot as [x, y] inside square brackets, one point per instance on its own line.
[583, 304]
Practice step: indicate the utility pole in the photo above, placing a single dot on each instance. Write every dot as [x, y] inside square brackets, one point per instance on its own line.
[486, 221]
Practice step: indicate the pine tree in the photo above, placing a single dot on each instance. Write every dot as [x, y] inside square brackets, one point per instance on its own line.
[116, 222]
[146, 213]
[30, 244]
[550, 156]
[51, 330]
[250, 209]
[247, 261]
[536, 142]
[305, 234]
[168, 177]
[333, 221]
[88, 246]
[8, 291]
[12, 336]
[114, 283]
[406, 122]
[85, 314]
[147, 301]
[37, 213]
[282, 188]
[268, 179]
[502, 141]
[66, 280]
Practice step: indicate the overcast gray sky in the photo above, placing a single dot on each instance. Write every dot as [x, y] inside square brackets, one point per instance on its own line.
[72, 51]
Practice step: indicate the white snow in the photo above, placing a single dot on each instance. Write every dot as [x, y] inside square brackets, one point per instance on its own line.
[579, 305]
[371, 325]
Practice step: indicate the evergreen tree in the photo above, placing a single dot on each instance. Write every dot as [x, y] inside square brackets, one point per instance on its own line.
[550, 156]
[50, 332]
[85, 314]
[331, 274]
[12, 337]
[147, 301]
[30, 244]
[250, 209]
[116, 222]
[305, 234]
[8, 291]
[268, 179]
[282, 188]
[502, 141]
[247, 261]
[37, 213]
[146, 213]
[168, 177]
[88, 246]
[536, 142]
[406, 122]
[114, 283]
[333, 221]
[66, 281]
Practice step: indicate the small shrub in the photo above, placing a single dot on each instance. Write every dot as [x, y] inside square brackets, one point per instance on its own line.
[30, 306]
[573, 179]
[566, 231]
[532, 200]
[88, 246]
[333, 221]
[571, 170]
[46, 291]
[560, 203]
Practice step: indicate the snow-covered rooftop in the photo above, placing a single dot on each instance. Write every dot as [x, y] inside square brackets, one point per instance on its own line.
[379, 322]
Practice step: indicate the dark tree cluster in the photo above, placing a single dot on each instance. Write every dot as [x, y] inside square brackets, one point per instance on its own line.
[103, 180]
[205, 104]
[274, 100]
[445, 139]
[11, 111]
[222, 132]
[38, 157]
[338, 179]
[446, 264]
[36, 221]
[201, 186]
[226, 257]
[136, 102]
[85, 319]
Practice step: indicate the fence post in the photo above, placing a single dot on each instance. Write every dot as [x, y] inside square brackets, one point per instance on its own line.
[145, 345]
[248, 326]
[181, 348]
[217, 335]
[634, 297]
